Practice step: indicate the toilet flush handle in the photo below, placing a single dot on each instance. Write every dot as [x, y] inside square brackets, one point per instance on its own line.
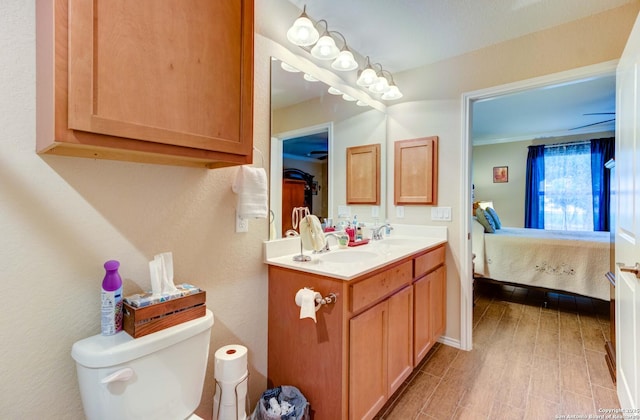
[121, 376]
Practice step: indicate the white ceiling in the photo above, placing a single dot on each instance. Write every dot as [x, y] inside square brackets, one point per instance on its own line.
[406, 34]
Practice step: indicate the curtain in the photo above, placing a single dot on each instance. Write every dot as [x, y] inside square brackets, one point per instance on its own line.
[534, 192]
[602, 150]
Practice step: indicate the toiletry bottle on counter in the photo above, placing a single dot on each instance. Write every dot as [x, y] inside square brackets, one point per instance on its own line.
[111, 318]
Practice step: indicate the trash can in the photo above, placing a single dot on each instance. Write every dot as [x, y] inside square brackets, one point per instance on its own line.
[282, 403]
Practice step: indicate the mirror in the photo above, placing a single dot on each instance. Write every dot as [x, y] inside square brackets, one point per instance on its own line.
[310, 132]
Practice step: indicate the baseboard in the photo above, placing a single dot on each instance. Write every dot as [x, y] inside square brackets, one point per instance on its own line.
[450, 342]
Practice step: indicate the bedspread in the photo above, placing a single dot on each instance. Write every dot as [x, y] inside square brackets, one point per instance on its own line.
[574, 262]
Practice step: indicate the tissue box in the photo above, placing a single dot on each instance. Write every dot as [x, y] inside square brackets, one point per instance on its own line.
[156, 316]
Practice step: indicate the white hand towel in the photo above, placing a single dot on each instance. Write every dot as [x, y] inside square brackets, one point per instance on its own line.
[311, 233]
[251, 186]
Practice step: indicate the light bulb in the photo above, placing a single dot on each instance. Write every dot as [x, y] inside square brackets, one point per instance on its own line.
[380, 86]
[302, 32]
[367, 77]
[325, 48]
[344, 61]
[392, 93]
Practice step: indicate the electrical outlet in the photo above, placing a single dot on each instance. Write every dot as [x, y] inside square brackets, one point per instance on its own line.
[400, 212]
[242, 225]
[375, 211]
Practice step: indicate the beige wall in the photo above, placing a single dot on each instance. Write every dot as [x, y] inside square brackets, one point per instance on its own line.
[508, 198]
[61, 218]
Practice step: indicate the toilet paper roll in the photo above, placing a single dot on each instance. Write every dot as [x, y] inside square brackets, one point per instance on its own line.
[230, 363]
[306, 300]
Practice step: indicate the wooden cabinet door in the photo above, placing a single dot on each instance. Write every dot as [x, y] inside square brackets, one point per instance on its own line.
[368, 362]
[438, 306]
[400, 338]
[158, 70]
[160, 81]
[363, 174]
[422, 335]
[416, 171]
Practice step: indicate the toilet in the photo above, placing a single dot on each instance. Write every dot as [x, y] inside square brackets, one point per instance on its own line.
[158, 376]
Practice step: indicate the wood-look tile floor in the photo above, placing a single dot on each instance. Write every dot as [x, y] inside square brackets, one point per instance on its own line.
[528, 362]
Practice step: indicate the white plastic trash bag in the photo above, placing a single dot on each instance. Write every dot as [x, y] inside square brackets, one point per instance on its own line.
[282, 403]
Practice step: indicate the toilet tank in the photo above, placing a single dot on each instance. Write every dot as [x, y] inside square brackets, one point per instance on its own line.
[158, 376]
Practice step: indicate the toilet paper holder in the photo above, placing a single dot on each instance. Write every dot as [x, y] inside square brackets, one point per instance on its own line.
[330, 298]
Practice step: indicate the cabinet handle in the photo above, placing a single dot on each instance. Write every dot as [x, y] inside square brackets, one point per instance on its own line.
[635, 269]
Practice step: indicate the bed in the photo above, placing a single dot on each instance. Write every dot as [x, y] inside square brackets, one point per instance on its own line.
[573, 262]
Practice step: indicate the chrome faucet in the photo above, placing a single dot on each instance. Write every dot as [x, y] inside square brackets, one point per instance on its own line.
[327, 235]
[377, 232]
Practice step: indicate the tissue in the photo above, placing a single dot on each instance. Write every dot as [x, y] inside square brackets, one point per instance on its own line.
[166, 263]
[306, 300]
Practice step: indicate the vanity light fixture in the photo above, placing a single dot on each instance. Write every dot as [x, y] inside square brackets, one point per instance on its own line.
[361, 103]
[334, 91]
[303, 32]
[348, 98]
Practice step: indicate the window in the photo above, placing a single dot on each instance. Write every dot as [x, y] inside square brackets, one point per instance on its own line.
[567, 186]
[568, 194]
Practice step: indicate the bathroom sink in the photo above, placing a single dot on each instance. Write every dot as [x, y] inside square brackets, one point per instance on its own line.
[348, 256]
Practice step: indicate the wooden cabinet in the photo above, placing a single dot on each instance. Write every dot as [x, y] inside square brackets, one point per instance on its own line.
[429, 317]
[380, 353]
[349, 363]
[147, 81]
[416, 171]
[293, 191]
[363, 174]
[429, 301]
[368, 358]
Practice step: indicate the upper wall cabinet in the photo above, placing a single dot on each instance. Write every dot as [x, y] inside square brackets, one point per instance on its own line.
[363, 174]
[416, 171]
[158, 81]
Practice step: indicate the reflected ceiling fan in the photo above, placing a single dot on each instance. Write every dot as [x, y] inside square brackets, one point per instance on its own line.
[596, 123]
[318, 154]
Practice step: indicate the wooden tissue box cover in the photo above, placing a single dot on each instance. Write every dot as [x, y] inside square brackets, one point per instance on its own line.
[139, 322]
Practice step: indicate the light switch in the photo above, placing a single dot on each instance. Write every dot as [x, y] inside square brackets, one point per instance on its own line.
[442, 214]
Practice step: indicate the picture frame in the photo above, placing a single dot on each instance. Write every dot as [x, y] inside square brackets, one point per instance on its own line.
[500, 174]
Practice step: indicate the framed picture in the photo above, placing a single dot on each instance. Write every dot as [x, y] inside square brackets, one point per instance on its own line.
[500, 174]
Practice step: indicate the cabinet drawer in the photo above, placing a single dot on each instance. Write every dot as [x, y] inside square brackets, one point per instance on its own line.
[375, 287]
[429, 261]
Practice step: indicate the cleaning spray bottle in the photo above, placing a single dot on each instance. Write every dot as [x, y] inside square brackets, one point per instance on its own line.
[111, 319]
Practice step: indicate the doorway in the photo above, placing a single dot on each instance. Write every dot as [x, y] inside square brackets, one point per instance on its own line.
[469, 100]
[305, 154]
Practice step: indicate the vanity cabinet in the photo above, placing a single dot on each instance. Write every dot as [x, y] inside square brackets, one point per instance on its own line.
[364, 345]
[146, 81]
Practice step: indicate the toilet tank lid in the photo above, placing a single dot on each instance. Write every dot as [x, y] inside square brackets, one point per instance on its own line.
[101, 351]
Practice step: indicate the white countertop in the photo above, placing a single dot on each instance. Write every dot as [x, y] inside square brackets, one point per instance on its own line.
[352, 262]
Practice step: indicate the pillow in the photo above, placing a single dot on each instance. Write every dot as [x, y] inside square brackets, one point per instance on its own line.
[494, 216]
[485, 220]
